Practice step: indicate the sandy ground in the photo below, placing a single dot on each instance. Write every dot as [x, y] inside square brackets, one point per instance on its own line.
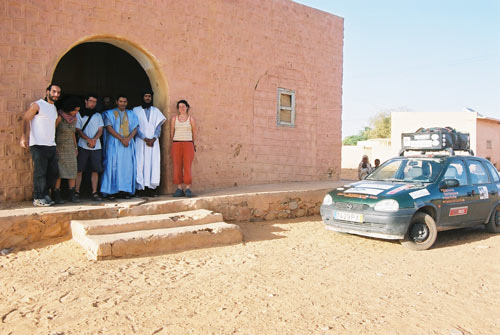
[289, 277]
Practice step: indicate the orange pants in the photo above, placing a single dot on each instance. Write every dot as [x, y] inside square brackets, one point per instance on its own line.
[182, 155]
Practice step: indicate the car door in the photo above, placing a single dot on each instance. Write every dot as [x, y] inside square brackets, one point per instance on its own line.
[495, 178]
[484, 192]
[455, 202]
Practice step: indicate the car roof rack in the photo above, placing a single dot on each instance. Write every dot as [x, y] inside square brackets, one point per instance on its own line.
[435, 139]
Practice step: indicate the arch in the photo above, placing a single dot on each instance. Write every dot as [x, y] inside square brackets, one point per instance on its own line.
[148, 62]
[152, 68]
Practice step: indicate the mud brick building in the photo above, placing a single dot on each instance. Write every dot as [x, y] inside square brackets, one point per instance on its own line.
[263, 77]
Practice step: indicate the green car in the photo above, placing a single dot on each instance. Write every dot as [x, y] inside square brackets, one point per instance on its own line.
[412, 198]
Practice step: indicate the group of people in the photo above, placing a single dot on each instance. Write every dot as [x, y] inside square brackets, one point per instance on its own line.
[119, 147]
[365, 168]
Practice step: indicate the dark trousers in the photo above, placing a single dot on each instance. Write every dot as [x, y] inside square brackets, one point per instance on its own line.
[45, 169]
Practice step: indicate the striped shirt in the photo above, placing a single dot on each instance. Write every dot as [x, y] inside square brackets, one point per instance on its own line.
[182, 130]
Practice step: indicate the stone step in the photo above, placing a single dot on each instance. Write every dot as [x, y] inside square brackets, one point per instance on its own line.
[156, 241]
[143, 222]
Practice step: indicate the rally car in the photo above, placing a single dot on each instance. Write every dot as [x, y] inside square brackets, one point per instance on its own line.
[412, 198]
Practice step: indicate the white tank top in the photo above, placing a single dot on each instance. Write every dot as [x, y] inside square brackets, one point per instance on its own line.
[183, 130]
[43, 125]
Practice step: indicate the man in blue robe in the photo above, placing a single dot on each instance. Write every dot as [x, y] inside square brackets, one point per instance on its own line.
[119, 162]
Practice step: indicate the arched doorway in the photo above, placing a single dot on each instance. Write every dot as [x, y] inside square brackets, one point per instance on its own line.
[103, 69]
[109, 65]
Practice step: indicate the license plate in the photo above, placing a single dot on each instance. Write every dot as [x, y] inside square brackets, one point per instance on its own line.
[346, 216]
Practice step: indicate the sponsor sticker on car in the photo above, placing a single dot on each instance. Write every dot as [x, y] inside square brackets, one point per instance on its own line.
[456, 211]
[370, 191]
[419, 194]
[398, 189]
[483, 192]
[381, 186]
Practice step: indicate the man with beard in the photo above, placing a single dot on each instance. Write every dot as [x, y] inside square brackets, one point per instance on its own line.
[89, 127]
[119, 162]
[106, 103]
[40, 122]
[147, 147]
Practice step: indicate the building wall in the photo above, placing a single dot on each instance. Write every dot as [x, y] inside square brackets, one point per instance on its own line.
[407, 122]
[375, 148]
[488, 130]
[227, 58]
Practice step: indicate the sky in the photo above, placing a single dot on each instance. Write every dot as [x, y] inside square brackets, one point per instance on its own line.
[417, 55]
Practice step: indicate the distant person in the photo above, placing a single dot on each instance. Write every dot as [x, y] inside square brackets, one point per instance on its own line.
[147, 146]
[90, 128]
[40, 124]
[66, 148]
[377, 163]
[364, 167]
[107, 103]
[119, 163]
[182, 132]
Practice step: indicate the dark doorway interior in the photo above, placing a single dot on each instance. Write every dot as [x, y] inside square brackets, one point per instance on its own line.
[103, 69]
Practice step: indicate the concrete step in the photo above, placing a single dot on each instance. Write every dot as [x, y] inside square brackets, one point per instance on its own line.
[143, 222]
[155, 241]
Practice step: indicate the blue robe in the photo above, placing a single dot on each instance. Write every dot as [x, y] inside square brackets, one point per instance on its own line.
[119, 162]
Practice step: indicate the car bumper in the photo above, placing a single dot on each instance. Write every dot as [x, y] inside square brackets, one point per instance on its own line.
[392, 226]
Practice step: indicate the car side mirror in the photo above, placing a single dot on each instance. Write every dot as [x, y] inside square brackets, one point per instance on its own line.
[448, 183]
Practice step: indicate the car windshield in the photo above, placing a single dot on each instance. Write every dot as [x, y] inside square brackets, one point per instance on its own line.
[421, 170]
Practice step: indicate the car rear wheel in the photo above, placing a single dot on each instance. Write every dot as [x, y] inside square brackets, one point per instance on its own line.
[493, 225]
[422, 232]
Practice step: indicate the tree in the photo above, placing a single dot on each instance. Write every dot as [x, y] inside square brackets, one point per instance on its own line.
[354, 139]
[380, 127]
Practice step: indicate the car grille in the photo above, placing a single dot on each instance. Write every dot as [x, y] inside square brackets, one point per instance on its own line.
[350, 206]
[350, 224]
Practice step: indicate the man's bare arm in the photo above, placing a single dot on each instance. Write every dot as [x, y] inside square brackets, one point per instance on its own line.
[27, 117]
[98, 134]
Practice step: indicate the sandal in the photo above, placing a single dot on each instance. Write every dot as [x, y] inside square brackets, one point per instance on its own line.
[96, 197]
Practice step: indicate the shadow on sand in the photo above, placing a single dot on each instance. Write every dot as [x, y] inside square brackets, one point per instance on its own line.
[450, 238]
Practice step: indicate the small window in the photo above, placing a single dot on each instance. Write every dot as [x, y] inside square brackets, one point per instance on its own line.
[488, 144]
[286, 107]
[477, 173]
[456, 170]
[493, 172]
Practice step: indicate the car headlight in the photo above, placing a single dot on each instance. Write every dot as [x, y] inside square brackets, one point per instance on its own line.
[388, 205]
[328, 200]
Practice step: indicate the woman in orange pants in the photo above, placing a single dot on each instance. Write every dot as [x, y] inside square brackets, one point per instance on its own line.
[182, 133]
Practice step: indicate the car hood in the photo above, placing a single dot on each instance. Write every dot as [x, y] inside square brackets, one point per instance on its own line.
[368, 191]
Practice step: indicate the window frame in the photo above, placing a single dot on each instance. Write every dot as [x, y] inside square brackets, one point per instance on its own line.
[478, 162]
[465, 168]
[492, 171]
[279, 108]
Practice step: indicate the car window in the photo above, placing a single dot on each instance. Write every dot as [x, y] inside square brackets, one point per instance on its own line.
[493, 172]
[386, 171]
[478, 174]
[456, 170]
[409, 169]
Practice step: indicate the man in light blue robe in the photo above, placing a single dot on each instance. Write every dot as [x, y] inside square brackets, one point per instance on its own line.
[120, 165]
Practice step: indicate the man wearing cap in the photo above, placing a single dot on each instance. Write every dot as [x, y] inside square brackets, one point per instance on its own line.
[147, 146]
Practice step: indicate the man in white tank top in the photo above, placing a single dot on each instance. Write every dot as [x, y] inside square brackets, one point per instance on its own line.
[40, 122]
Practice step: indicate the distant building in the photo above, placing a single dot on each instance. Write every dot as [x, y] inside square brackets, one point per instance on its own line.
[484, 131]
[374, 148]
[484, 136]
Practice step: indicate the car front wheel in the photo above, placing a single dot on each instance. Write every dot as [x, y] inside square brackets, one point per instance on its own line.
[422, 232]
[493, 225]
